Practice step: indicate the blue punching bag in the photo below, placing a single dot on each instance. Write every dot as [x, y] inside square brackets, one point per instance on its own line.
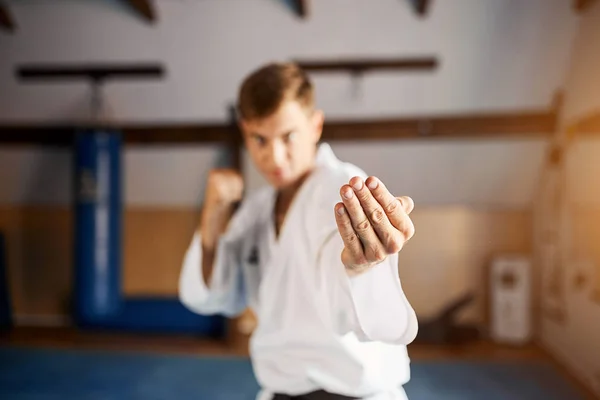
[98, 227]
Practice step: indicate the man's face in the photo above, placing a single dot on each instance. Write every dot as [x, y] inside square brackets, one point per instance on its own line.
[283, 145]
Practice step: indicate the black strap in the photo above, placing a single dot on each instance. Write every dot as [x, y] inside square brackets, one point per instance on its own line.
[318, 395]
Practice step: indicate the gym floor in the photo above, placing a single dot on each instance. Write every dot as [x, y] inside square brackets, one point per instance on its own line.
[71, 339]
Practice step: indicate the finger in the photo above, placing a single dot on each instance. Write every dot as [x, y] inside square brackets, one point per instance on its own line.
[373, 248]
[352, 245]
[392, 206]
[406, 225]
[407, 203]
[389, 235]
[396, 208]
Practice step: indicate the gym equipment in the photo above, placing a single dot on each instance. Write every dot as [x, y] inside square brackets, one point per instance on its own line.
[443, 328]
[510, 281]
[98, 301]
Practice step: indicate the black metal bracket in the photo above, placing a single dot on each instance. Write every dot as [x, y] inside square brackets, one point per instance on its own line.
[96, 74]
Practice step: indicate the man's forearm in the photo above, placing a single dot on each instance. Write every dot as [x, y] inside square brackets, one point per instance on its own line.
[210, 238]
[208, 261]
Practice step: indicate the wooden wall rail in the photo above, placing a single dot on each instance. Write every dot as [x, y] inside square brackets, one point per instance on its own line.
[586, 126]
[515, 125]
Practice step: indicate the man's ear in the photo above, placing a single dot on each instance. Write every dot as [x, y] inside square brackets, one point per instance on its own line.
[318, 120]
[242, 125]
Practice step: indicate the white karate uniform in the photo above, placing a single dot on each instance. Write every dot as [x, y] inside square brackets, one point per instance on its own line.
[318, 329]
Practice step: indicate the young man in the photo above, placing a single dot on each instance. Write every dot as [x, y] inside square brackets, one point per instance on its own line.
[314, 255]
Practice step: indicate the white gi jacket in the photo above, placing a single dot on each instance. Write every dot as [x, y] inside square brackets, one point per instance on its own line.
[317, 327]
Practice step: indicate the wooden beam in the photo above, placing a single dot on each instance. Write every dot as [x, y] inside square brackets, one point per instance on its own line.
[7, 22]
[420, 7]
[518, 125]
[144, 8]
[587, 126]
[443, 127]
[361, 66]
[145, 135]
[581, 6]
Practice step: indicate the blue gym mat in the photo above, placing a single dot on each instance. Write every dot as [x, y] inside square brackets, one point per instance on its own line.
[28, 374]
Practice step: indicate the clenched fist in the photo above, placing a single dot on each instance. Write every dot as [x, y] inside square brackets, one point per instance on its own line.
[224, 189]
[372, 223]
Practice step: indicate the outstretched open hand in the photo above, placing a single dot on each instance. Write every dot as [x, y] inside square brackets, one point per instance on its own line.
[372, 223]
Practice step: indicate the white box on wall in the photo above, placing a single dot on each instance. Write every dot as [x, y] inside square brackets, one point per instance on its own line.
[510, 292]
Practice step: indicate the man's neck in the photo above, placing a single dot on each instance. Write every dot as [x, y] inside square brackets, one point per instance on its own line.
[285, 197]
[287, 194]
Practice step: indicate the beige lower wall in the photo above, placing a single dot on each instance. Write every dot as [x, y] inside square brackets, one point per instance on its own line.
[451, 251]
[574, 338]
[155, 241]
[584, 241]
[447, 256]
[39, 256]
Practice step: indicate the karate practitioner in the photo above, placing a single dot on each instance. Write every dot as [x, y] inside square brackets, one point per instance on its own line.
[314, 255]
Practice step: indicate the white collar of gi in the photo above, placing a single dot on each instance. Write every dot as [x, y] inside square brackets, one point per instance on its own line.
[325, 155]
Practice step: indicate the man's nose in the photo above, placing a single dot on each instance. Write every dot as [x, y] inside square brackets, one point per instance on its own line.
[276, 154]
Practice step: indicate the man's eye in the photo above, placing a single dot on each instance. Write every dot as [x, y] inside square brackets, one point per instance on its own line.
[289, 137]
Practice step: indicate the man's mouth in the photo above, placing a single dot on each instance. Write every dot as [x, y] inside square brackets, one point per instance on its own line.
[277, 173]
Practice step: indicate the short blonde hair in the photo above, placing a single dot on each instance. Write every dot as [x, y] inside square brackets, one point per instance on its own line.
[266, 89]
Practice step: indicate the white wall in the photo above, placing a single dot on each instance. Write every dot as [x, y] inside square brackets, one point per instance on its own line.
[583, 173]
[495, 55]
[167, 177]
[583, 81]
[485, 175]
[490, 174]
[35, 176]
[172, 176]
[575, 340]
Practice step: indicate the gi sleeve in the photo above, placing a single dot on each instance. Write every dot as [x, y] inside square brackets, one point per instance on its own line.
[225, 294]
[373, 304]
